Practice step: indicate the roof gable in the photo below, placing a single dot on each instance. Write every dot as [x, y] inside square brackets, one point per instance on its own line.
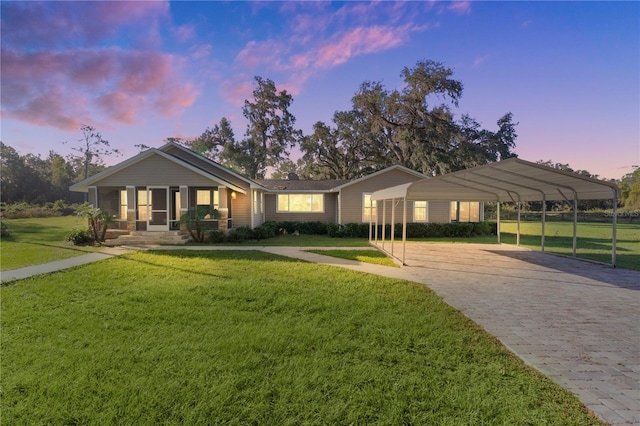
[197, 158]
[83, 185]
[381, 172]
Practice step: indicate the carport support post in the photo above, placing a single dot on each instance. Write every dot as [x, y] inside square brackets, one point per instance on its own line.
[404, 229]
[518, 230]
[614, 232]
[393, 221]
[544, 211]
[575, 223]
[376, 230]
[384, 220]
[498, 221]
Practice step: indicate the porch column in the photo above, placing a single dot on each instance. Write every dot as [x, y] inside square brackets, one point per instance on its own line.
[131, 208]
[223, 209]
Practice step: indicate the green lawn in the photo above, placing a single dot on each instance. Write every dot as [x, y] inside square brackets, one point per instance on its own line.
[306, 241]
[251, 338]
[368, 256]
[40, 240]
[594, 240]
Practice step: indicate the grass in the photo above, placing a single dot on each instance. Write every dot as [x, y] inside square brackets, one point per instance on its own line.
[368, 256]
[594, 240]
[251, 338]
[306, 241]
[40, 240]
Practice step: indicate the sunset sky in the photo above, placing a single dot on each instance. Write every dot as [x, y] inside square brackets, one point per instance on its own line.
[143, 71]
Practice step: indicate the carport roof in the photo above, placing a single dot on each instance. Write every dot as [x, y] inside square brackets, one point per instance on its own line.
[512, 179]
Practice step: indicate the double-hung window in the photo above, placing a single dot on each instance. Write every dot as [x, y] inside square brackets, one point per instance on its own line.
[420, 211]
[369, 209]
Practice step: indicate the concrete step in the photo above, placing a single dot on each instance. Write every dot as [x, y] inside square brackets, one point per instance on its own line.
[145, 238]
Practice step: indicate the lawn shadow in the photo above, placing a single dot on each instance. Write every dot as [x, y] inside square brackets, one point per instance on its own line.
[238, 255]
[619, 277]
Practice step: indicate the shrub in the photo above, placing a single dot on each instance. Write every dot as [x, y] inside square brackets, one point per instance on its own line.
[416, 230]
[271, 227]
[239, 234]
[262, 233]
[5, 232]
[216, 236]
[308, 228]
[80, 237]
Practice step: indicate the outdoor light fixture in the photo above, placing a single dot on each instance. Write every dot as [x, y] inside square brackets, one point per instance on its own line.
[233, 195]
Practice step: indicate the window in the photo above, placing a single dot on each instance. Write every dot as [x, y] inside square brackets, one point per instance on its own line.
[463, 211]
[369, 211]
[207, 198]
[301, 203]
[123, 204]
[144, 203]
[420, 211]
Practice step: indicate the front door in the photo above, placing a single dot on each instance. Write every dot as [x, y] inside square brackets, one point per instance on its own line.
[158, 218]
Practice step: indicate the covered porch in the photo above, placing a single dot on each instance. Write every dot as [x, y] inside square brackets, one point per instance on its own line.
[160, 208]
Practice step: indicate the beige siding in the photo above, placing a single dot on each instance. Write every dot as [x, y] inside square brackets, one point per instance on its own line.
[351, 196]
[439, 211]
[241, 210]
[155, 170]
[328, 216]
[205, 165]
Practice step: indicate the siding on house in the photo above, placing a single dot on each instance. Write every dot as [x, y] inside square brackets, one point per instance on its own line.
[351, 196]
[439, 211]
[204, 164]
[155, 170]
[329, 215]
[241, 210]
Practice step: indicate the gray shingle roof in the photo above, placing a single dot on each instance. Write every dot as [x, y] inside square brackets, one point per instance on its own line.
[300, 185]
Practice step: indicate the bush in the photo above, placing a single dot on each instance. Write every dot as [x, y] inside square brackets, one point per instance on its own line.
[239, 234]
[216, 236]
[25, 210]
[271, 227]
[416, 230]
[308, 228]
[5, 232]
[263, 232]
[80, 237]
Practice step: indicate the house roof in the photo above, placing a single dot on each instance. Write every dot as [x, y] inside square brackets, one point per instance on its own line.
[301, 185]
[379, 172]
[512, 179]
[210, 162]
[83, 186]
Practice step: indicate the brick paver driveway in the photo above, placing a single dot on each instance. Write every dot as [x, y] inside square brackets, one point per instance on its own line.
[576, 322]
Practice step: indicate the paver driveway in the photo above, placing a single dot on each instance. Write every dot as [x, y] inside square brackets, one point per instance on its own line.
[576, 322]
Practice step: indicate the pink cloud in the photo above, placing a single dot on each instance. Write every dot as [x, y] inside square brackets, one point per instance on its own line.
[185, 32]
[49, 24]
[461, 7]
[237, 90]
[360, 41]
[114, 86]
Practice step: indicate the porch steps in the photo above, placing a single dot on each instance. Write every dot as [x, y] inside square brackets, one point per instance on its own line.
[136, 238]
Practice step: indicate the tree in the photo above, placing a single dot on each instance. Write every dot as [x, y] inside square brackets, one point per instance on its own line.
[92, 147]
[415, 126]
[270, 131]
[344, 152]
[215, 143]
[630, 190]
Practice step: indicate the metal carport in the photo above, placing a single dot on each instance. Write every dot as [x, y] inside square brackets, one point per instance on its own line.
[508, 180]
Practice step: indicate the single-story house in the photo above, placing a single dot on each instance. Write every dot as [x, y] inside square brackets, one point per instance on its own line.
[150, 191]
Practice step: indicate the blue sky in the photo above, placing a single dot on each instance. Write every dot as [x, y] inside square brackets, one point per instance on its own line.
[144, 71]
